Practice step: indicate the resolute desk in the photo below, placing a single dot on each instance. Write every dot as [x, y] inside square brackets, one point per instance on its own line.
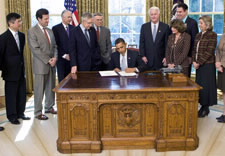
[141, 112]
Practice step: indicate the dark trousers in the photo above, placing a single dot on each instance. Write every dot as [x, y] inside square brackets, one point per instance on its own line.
[15, 97]
[63, 69]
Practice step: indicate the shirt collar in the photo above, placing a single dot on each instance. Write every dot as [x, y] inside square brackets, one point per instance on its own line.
[184, 20]
[155, 24]
[96, 27]
[65, 25]
[12, 31]
[124, 54]
[41, 27]
[82, 27]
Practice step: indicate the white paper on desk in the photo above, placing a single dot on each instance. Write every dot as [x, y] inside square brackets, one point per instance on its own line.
[108, 73]
[123, 73]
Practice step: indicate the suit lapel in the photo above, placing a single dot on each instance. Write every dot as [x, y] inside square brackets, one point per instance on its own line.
[21, 41]
[159, 31]
[118, 60]
[129, 59]
[150, 27]
[64, 30]
[82, 34]
[11, 37]
[41, 33]
[101, 33]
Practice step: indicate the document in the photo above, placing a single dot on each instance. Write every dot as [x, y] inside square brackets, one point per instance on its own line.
[108, 73]
[123, 73]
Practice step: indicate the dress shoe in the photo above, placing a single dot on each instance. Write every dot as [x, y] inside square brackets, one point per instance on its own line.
[52, 111]
[41, 117]
[24, 117]
[220, 117]
[14, 121]
[200, 111]
[2, 128]
[204, 112]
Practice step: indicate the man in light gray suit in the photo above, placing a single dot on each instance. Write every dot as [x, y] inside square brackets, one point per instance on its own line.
[42, 44]
[104, 41]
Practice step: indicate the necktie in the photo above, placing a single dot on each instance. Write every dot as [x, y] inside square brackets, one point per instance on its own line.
[98, 33]
[46, 35]
[123, 63]
[154, 32]
[17, 40]
[86, 35]
[67, 31]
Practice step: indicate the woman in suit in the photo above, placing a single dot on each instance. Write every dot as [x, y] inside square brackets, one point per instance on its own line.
[204, 63]
[178, 46]
[220, 65]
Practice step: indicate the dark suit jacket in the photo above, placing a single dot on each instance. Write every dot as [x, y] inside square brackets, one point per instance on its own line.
[178, 53]
[11, 58]
[206, 49]
[62, 39]
[133, 60]
[86, 57]
[192, 29]
[154, 51]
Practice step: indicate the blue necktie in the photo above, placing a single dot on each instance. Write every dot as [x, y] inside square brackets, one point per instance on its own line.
[67, 31]
[87, 37]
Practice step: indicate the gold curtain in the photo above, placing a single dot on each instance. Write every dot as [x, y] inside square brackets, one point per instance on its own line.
[165, 7]
[22, 7]
[93, 6]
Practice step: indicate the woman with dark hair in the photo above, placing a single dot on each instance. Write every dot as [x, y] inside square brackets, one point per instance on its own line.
[178, 46]
[204, 63]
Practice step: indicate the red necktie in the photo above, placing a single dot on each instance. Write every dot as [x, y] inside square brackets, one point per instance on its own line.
[98, 33]
[46, 35]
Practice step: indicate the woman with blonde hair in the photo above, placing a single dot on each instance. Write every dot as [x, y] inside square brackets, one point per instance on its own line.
[204, 63]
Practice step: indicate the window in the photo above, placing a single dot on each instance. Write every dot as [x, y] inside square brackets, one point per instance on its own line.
[54, 7]
[125, 19]
[214, 8]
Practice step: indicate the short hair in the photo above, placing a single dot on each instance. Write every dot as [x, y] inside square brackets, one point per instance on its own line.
[64, 11]
[41, 12]
[208, 21]
[178, 1]
[119, 40]
[86, 15]
[179, 25]
[98, 14]
[182, 5]
[12, 17]
[154, 8]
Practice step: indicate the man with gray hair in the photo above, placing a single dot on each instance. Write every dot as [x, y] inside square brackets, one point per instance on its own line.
[153, 40]
[104, 41]
[62, 33]
[84, 48]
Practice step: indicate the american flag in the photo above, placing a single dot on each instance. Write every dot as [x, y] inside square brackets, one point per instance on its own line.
[72, 6]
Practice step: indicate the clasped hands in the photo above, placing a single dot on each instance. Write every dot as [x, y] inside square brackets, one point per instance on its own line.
[52, 61]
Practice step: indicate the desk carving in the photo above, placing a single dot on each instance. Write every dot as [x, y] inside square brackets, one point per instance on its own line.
[92, 119]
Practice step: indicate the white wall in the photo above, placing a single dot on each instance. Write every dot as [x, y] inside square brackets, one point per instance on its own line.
[3, 27]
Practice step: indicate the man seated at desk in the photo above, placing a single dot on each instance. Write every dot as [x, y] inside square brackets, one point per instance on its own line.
[125, 59]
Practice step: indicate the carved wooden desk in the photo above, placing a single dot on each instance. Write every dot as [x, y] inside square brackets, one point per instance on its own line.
[142, 112]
